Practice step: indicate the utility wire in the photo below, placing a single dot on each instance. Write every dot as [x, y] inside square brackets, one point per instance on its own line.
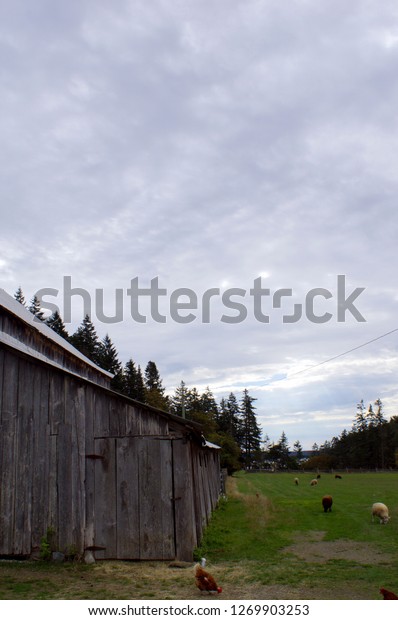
[335, 357]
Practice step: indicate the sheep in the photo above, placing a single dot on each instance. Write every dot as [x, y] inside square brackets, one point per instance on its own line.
[314, 482]
[327, 502]
[381, 511]
[338, 477]
[296, 481]
[318, 476]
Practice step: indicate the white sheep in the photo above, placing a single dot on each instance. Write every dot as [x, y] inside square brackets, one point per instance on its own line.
[314, 482]
[381, 511]
[296, 481]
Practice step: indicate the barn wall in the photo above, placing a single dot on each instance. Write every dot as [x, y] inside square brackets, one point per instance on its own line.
[96, 468]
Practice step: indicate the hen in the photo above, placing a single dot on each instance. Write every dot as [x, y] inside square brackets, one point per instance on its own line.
[387, 595]
[205, 581]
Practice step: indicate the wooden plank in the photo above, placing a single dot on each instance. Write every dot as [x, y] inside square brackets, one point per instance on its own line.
[7, 484]
[105, 499]
[56, 400]
[117, 417]
[1, 381]
[155, 488]
[90, 467]
[53, 488]
[153, 424]
[199, 501]
[10, 387]
[184, 508]
[63, 517]
[101, 416]
[76, 408]
[40, 454]
[127, 509]
[133, 421]
[23, 460]
[166, 497]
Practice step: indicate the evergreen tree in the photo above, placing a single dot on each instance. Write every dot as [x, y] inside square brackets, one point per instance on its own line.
[360, 422]
[133, 382]
[279, 454]
[228, 418]
[379, 416]
[85, 339]
[298, 449]
[208, 404]
[35, 308]
[371, 417]
[178, 401]
[56, 323]
[202, 409]
[107, 358]
[19, 296]
[251, 432]
[154, 390]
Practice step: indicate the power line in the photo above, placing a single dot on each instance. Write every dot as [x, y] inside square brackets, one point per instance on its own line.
[335, 357]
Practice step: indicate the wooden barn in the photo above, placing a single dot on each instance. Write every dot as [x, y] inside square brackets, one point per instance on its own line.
[100, 471]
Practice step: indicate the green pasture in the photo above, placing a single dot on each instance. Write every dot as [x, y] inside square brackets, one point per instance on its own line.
[281, 534]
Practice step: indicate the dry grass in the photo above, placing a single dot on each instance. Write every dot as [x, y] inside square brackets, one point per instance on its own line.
[130, 581]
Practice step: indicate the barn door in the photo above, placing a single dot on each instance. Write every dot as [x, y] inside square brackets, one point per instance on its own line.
[184, 508]
[133, 499]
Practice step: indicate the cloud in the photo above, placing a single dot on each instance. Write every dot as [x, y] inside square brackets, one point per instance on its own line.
[207, 144]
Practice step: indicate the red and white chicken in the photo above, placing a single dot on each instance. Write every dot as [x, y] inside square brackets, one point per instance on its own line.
[204, 581]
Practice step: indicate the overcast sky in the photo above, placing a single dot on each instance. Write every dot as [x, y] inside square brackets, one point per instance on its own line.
[208, 144]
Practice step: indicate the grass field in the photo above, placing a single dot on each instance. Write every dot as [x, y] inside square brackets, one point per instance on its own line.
[268, 540]
[282, 534]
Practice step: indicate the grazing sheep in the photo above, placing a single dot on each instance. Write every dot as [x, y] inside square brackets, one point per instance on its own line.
[381, 511]
[338, 476]
[314, 482]
[318, 476]
[327, 502]
[296, 481]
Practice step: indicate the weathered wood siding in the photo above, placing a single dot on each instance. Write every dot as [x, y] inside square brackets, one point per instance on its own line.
[100, 470]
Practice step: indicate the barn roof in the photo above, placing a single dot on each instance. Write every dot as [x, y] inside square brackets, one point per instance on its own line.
[14, 307]
[17, 309]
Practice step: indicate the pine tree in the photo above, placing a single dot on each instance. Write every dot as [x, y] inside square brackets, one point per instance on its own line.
[133, 382]
[251, 432]
[56, 323]
[360, 422]
[85, 339]
[178, 402]
[108, 360]
[228, 418]
[379, 416]
[371, 417]
[284, 448]
[19, 296]
[35, 308]
[298, 449]
[107, 356]
[154, 390]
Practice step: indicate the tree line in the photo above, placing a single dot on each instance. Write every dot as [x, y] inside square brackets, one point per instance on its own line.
[231, 424]
[371, 443]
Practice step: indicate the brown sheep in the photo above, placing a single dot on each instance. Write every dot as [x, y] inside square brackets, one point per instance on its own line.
[327, 502]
